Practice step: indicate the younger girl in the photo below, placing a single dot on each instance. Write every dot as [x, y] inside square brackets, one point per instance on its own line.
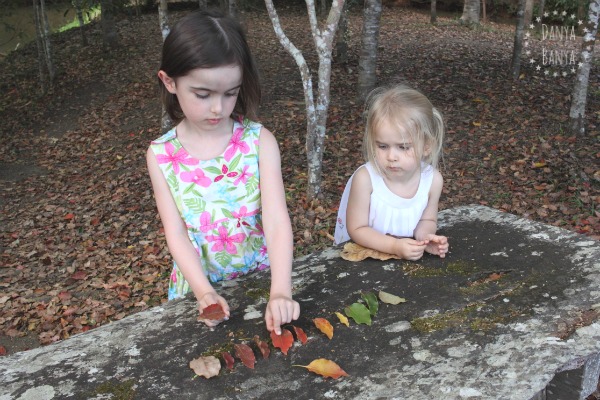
[216, 175]
[390, 204]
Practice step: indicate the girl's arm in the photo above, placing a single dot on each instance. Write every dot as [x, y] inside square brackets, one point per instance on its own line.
[180, 247]
[357, 222]
[428, 223]
[278, 232]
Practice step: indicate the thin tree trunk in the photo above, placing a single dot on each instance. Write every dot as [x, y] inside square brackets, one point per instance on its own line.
[518, 45]
[40, 46]
[341, 45]
[433, 18]
[163, 23]
[316, 112]
[541, 8]
[577, 112]
[109, 29]
[79, 12]
[367, 64]
[483, 11]
[233, 8]
[202, 4]
[528, 12]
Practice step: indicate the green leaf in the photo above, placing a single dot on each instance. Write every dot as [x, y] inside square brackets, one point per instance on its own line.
[213, 170]
[234, 163]
[223, 258]
[390, 298]
[196, 205]
[359, 313]
[227, 213]
[371, 301]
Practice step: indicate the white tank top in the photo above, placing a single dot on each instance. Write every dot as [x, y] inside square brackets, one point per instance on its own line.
[388, 212]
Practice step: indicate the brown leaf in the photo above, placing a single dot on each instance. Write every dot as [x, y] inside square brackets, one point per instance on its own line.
[356, 252]
[228, 358]
[207, 367]
[213, 312]
[263, 347]
[245, 354]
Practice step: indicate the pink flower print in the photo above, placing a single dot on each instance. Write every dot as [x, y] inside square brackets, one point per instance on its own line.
[206, 224]
[225, 172]
[236, 143]
[263, 251]
[242, 214]
[258, 232]
[174, 276]
[243, 177]
[197, 176]
[262, 267]
[224, 241]
[180, 157]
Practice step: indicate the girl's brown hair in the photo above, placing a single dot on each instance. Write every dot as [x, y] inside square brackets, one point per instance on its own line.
[208, 39]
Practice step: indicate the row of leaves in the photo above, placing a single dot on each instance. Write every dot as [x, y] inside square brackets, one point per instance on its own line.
[210, 366]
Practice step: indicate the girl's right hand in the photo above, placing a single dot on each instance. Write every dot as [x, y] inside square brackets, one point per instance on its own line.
[410, 249]
[213, 298]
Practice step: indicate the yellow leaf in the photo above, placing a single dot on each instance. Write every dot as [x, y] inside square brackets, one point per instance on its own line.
[324, 326]
[476, 123]
[324, 367]
[342, 319]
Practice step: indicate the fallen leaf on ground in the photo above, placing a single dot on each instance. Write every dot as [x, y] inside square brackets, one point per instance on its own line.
[283, 341]
[300, 334]
[359, 313]
[324, 326]
[343, 318]
[206, 366]
[356, 252]
[371, 301]
[213, 312]
[390, 298]
[245, 354]
[263, 347]
[228, 358]
[324, 367]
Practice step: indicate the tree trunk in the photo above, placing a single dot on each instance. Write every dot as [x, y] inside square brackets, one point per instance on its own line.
[46, 41]
[341, 45]
[202, 4]
[470, 15]
[541, 8]
[518, 45]
[109, 28]
[433, 18]
[367, 64]
[528, 12]
[163, 23]
[577, 112]
[79, 12]
[40, 46]
[316, 112]
[233, 8]
[483, 11]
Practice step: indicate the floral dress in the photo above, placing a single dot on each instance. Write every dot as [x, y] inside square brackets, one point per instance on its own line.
[219, 200]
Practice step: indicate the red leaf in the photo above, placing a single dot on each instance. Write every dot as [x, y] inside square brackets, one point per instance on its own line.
[245, 353]
[69, 216]
[214, 312]
[283, 341]
[300, 334]
[263, 347]
[3, 351]
[228, 358]
[79, 276]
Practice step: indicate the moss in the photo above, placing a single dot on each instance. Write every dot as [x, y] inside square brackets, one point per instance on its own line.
[256, 290]
[441, 321]
[420, 271]
[118, 390]
[461, 267]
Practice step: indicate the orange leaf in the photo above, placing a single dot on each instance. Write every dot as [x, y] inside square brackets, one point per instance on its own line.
[213, 312]
[263, 347]
[69, 216]
[324, 367]
[229, 361]
[283, 341]
[324, 326]
[300, 334]
[245, 353]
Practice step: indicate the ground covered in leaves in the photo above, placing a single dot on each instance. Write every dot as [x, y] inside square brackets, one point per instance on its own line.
[80, 240]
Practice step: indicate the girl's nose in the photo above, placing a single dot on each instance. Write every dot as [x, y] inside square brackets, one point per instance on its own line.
[216, 107]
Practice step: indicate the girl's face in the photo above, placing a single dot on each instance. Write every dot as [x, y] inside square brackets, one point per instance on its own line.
[207, 96]
[395, 152]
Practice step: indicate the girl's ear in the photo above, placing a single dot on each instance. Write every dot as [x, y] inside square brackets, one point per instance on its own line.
[167, 81]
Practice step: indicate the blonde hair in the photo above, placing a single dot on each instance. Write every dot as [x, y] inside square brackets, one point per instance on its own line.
[413, 114]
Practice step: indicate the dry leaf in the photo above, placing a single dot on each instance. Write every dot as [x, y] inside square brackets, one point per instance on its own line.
[283, 341]
[324, 367]
[300, 334]
[213, 312]
[206, 366]
[356, 252]
[324, 326]
[228, 358]
[245, 353]
[343, 319]
[263, 347]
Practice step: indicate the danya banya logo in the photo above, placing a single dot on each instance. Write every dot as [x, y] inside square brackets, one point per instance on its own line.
[552, 46]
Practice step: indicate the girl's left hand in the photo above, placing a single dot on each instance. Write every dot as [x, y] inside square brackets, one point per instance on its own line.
[281, 310]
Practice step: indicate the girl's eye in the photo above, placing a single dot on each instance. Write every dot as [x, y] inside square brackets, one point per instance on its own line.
[231, 94]
[201, 96]
[382, 146]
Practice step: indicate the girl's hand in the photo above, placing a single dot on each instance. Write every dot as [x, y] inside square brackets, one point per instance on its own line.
[410, 249]
[213, 298]
[437, 245]
[281, 310]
